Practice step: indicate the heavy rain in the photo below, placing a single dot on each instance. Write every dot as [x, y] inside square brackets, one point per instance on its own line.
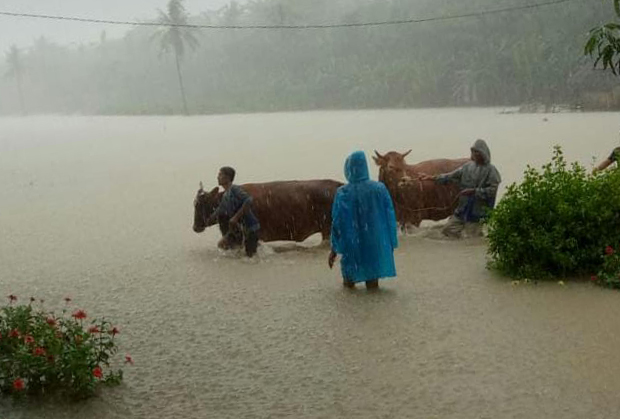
[117, 123]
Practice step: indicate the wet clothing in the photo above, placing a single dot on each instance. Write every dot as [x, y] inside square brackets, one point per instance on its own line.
[484, 179]
[232, 201]
[363, 225]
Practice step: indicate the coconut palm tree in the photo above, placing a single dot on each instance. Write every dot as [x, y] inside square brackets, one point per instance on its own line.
[16, 71]
[173, 38]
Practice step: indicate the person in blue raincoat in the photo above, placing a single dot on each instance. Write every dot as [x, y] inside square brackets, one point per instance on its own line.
[363, 227]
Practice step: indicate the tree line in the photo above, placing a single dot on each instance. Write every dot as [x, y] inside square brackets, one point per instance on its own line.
[504, 59]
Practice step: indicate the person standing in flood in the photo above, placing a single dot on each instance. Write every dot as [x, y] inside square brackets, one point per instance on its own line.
[363, 227]
[478, 181]
[234, 215]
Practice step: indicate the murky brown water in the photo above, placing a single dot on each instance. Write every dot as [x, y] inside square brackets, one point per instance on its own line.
[100, 209]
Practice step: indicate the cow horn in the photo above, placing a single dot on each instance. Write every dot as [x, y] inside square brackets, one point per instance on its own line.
[202, 188]
[407, 153]
[378, 155]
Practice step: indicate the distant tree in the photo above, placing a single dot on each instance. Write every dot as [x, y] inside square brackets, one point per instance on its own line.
[173, 38]
[604, 44]
[16, 71]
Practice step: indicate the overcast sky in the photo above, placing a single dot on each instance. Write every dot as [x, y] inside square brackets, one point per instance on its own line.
[23, 31]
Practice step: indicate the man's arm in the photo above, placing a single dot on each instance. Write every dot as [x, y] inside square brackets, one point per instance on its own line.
[453, 176]
[245, 207]
[489, 189]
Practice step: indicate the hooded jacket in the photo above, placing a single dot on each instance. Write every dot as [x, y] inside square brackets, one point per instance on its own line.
[363, 225]
[484, 179]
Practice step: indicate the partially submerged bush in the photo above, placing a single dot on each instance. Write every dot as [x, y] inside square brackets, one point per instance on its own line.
[556, 222]
[41, 352]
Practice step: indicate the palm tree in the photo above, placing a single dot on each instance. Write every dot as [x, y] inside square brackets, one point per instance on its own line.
[16, 70]
[173, 38]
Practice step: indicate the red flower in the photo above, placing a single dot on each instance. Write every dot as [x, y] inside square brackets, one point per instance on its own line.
[12, 298]
[98, 373]
[128, 359]
[67, 300]
[114, 331]
[594, 278]
[14, 333]
[28, 339]
[93, 330]
[609, 250]
[51, 321]
[79, 314]
[39, 352]
[18, 384]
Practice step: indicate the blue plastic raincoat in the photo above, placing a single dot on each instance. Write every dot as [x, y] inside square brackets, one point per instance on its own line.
[363, 225]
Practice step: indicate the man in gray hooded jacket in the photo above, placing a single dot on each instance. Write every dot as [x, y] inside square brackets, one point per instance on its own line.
[478, 181]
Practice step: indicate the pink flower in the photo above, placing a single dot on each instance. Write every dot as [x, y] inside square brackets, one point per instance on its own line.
[28, 339]
[128, 359]
[39, 351]
[14, 333]
[114, 331]
[97, 372]
[18, 384]
[609, 250]
[51, 321]
[93, 330]
[79, 314]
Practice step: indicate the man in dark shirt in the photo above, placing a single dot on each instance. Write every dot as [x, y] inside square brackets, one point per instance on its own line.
[613, 158]
[234, 215]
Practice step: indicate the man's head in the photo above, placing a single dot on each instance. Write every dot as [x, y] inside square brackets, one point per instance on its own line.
[477, 156]
[226, 176]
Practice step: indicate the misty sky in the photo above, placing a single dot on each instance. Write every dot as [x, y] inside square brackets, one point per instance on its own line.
[23, 31]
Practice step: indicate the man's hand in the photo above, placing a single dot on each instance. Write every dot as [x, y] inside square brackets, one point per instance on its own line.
[332, 259]
[424, 176]
[468, 192]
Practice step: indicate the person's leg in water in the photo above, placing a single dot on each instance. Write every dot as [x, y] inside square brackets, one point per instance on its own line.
[348, 283]
[372, 285]
[251, 243]
[454, 228]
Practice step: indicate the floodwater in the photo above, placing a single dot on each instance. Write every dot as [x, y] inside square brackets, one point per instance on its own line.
[100, 209]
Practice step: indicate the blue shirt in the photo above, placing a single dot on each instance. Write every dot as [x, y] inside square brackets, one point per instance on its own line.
[232, 201]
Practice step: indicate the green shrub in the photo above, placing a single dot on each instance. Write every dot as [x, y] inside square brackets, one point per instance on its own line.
[556, 222]
[43, 353]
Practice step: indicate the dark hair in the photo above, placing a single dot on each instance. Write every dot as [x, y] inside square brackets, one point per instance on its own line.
[228, 172]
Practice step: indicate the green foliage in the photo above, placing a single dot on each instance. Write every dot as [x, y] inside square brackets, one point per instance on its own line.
[609, 274]
[556, 221]
[604, 44]
[42, 353]
[533, 56]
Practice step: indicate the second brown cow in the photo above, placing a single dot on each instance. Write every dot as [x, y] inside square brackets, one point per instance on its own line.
[416, 200]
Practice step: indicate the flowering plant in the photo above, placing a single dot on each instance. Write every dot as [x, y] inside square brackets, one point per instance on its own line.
[609, 274]
[41, 352]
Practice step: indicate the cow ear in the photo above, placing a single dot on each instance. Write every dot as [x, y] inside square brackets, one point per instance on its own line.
[214, 191]
[407, 153]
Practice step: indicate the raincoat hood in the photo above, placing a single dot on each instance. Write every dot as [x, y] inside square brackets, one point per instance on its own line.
[356, 168]
[482, 147]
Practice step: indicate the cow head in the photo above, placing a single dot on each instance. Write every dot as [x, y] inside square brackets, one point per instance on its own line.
[205, 205]
[392, 166]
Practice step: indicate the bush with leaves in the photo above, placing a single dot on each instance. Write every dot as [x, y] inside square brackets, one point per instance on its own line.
[44, 353]
[604, 44]
[555, 222]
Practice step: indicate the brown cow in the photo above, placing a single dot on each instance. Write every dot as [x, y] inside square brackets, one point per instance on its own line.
[416, 200]
[286, 210]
